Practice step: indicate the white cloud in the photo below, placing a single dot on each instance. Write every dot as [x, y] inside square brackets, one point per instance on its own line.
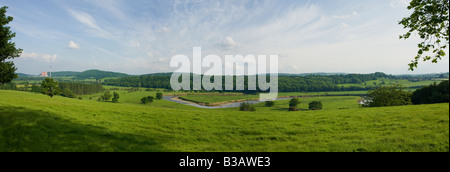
[84, 18]
[164, 30]
[342, 17]
[111, 6]
[40, 57]
[346, 16]
[228, 42]
[73, 45]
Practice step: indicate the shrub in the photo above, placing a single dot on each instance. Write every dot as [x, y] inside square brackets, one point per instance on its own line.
[247, 107]
[116, 98]
[293, 103]
[148, 99]
[159, 96]
[387, 96]
[270, 103]
[315, 105]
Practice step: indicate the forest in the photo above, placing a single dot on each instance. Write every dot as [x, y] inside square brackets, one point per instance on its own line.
[286, 83]
[81, 89]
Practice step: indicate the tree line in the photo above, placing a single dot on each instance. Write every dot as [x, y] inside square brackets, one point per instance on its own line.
[310, 83]
[81, 89]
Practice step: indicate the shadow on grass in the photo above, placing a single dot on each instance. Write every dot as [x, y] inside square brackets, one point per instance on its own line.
[25, 130]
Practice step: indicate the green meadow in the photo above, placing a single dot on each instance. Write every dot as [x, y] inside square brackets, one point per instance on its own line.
[35, 122]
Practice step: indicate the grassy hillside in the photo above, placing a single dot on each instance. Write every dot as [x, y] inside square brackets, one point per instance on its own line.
[199, 98]
[34, 122]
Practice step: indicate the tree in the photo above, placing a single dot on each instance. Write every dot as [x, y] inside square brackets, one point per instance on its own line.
[148, 99]
[315, 105]
[106, 96]
[50, 87]
[159, 96]
[270, 103]
[68, 93]
[432, 94]
[293, 103]
[35, 88]
[144, 100]
[8, 49]
[115, 98]
[392, 95]
[430, 19]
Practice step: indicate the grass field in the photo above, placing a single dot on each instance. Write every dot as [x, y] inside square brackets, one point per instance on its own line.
[34, 122]
[221, 99]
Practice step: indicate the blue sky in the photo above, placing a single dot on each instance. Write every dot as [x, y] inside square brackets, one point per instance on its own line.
[141, 36]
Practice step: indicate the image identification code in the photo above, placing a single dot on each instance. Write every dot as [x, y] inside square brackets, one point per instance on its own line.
[227, 162]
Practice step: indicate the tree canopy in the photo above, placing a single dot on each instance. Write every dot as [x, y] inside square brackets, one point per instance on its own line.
[392, 95]
[50, 87]
[8, 49]
[430, 20]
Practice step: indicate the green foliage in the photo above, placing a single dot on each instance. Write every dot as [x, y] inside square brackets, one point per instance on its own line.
[308, 83]
[116, 98]
[8, 86]
[8, 49]
[50, 87]
[67, 93]
[269, 103]
[315, 105]
[247, 107]
[159, 96]
[148, 99]
[431, 21]
[106, 96]
[293, 103]
[393, 95]
[36, 89]
[432, 94]
[81, 89]
[98, 74]
[80, 98]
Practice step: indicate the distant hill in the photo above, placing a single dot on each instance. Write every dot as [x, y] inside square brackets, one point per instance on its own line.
[98, 74]
[64, 74]
[24, 75]
[89, 74]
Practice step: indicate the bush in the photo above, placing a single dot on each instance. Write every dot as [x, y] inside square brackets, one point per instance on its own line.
[106, 96]
[315, 105]
[432, 94]
[247, 107]
[80, 98]
[148, 99]
[116, 98]
[293, 103]
[159, 96]
[270, 103]
[292, 108]
[387, 96]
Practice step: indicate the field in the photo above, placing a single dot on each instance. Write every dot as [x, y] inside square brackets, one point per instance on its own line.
[34, 122]
[199, 98]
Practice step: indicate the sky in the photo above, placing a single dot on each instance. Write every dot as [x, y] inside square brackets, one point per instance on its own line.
[141, 36]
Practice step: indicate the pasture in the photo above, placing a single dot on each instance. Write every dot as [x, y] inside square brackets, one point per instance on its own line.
[35, 122]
